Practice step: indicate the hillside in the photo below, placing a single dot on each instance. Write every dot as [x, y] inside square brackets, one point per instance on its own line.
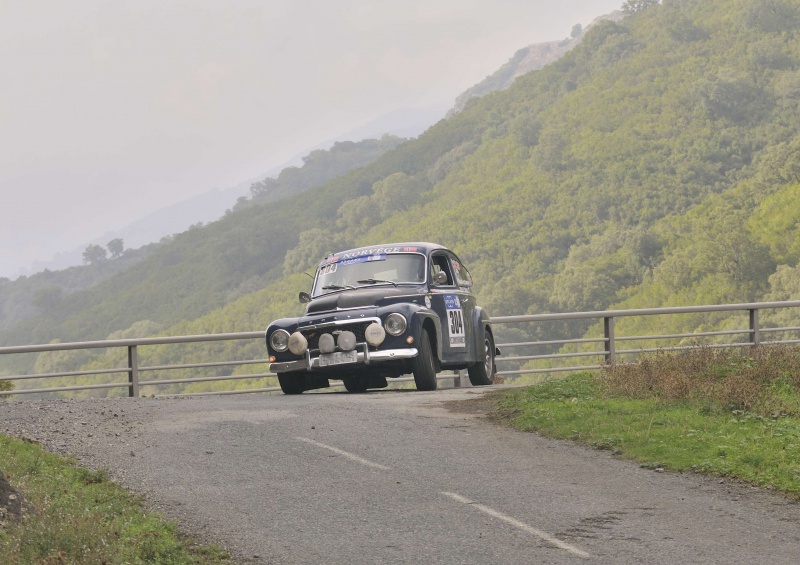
[37, 294]
[655, 164]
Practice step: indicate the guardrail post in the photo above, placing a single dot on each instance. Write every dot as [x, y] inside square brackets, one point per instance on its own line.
[608, 332]
[755, 334]
[133, 371]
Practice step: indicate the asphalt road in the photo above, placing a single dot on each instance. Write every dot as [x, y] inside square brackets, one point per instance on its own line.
[398, 477]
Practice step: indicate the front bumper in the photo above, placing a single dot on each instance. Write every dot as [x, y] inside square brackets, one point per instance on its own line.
[364, 357]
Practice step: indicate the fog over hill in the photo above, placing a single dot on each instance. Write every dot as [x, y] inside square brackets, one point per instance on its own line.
[402, 122]
[211, 205]
[120, 109]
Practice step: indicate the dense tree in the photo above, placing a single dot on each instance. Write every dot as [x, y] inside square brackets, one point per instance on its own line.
[61, 361]
[772, 16]
[776, 224]
[116, 247]
[633, 6]
[94, 254]
[46, 299]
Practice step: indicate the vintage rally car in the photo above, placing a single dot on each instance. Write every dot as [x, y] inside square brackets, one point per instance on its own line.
[381, 312]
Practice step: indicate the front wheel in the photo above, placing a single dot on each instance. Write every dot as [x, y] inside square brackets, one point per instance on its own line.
[423, 365]
[292, 383]
[482, 372]
[356, 384]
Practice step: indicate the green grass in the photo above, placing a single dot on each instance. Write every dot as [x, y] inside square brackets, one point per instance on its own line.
[682, 435]
[80, 516]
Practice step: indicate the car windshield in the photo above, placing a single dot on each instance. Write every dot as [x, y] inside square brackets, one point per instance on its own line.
[394, 268]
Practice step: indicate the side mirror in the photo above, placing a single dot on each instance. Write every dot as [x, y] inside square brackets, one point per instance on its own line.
[305, 298]
[440, 278]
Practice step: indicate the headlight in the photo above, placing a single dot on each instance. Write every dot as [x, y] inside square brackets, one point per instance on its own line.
[374, 334]
[395, 324]
[279, 340]
[298, 343]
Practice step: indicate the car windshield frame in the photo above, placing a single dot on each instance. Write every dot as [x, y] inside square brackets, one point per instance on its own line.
[379, 269]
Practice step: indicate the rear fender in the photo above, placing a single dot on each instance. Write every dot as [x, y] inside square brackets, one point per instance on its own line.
[480, 320]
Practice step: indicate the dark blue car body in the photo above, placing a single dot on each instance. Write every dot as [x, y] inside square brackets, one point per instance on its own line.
[381, 312]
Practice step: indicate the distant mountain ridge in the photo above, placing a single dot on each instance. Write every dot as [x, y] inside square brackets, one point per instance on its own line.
[525, 60]
[151, 228]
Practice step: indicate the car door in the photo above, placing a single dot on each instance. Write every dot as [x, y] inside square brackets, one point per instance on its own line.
[463, 282]
[454, 307]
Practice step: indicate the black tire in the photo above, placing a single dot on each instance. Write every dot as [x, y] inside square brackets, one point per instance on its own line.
[356, 384]
[424, 365]
[292, 383]
[482, 372]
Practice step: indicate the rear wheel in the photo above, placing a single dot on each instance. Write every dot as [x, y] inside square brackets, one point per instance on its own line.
[482, 372]
[423, 365]
[292, 383]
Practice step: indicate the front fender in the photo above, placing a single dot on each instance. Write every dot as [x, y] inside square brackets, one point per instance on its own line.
[418, 317]
[419, 321]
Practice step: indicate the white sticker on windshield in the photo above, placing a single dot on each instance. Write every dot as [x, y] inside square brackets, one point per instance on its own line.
[455, 321]
[328, 269]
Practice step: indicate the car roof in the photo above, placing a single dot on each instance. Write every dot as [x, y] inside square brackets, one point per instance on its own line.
[405, 247]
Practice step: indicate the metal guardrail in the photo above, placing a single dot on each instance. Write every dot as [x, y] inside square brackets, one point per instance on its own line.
[609, 354]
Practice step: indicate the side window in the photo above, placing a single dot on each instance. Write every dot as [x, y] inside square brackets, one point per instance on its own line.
[439, 263]
[461, 273]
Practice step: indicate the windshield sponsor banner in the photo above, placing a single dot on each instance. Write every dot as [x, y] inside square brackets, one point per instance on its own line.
[374, 251]
[381, 257]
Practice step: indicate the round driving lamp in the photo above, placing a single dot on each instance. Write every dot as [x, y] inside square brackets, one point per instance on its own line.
[395, 324]
[298, 343]
[279, 340]
[326, 344]
[346, 341]
[374, 334]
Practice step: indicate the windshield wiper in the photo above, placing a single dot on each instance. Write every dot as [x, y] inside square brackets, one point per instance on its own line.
[375, 281]
[337, 287]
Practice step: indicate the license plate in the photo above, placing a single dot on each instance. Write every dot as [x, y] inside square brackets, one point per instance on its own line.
[338, 358]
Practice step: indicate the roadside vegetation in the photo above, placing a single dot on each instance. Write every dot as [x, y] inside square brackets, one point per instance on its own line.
[721, 412]
[54, 512]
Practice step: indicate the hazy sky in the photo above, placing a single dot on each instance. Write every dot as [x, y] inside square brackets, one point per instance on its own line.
[110, 110]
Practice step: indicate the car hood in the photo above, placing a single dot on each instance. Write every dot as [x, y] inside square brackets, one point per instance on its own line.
[358, 298]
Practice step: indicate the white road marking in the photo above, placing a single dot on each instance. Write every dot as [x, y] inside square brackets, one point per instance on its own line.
[517, 524]
[343, 453]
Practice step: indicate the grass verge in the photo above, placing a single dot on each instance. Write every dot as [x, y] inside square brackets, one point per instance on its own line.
[79, 516]
[690, 433]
